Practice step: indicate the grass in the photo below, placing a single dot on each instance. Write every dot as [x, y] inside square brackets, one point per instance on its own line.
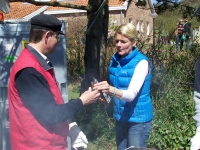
[73, 91]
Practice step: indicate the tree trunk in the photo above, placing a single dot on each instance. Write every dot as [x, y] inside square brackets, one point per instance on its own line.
[96, 41]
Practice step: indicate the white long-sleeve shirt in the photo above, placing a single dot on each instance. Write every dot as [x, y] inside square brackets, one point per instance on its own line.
[140, 73]
[197, 93]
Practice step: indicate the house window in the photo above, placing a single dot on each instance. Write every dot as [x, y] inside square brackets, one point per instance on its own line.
[130, 20]
[148, 28]
[142, 26]
[138, 25]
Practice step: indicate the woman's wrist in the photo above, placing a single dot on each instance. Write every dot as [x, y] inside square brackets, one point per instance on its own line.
[112, 91]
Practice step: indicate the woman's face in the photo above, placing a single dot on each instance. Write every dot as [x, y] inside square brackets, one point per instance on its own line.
[123, 45]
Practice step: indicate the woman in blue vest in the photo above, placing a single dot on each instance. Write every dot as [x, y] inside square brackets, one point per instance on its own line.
[130, 75]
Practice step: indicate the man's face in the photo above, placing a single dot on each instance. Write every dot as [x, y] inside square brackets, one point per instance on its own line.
[52, 40]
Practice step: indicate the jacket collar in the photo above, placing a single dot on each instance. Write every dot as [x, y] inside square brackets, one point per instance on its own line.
[126, 59]
[39, 58]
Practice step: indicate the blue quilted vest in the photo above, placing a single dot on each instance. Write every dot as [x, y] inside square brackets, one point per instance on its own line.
[120, 73]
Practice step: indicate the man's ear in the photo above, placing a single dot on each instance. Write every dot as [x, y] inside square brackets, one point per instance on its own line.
[46, 35]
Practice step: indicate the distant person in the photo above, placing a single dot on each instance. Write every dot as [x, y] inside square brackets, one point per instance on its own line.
[195, 141]
[130, 74]
[37, 113]
[187, 32]
[179, 34]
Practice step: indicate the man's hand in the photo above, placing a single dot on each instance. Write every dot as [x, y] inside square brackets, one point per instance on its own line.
[89, 96]
[195, 141]
[80, 142]
[78, 138]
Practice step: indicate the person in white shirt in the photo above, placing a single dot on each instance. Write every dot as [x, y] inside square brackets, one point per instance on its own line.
[195, 141]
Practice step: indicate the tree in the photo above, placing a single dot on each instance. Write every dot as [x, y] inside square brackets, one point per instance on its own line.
[96, 34]
[187, 10]
[96, 39]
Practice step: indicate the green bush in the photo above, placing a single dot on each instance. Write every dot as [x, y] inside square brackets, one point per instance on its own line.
[172, 95]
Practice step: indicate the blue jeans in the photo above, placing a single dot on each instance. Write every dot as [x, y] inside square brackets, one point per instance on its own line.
[132, 134]
[187, 42]
[179, 40]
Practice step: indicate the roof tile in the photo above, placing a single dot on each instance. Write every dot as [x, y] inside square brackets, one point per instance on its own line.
[18, 10]
[85, 3]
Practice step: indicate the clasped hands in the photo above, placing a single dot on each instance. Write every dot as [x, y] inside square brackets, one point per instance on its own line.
[102, 86]
[93, 94]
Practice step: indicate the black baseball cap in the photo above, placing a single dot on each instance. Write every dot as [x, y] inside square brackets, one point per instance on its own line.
[48, 22]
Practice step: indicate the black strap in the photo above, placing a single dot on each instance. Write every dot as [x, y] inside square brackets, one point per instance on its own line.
[49, 62]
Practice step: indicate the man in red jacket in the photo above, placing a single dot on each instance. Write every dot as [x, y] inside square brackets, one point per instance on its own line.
[37, 113]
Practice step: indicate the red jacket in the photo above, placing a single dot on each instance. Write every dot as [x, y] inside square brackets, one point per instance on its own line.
[25, 131]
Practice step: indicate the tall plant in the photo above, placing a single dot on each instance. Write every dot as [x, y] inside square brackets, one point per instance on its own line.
[172, 94]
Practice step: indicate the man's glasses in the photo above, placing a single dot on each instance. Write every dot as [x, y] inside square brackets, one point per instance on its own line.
[57, 38]
[56, 35]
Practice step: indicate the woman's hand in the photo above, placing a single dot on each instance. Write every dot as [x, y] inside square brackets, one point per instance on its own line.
[106, 88]
[102, 86]
[90, 96]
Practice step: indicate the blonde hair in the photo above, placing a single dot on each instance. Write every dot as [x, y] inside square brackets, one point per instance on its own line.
[127, 30]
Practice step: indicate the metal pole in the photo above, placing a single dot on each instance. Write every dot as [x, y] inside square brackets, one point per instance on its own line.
[154, 38]
[154, 15]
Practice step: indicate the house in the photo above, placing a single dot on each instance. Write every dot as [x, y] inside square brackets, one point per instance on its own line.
[120, 11]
